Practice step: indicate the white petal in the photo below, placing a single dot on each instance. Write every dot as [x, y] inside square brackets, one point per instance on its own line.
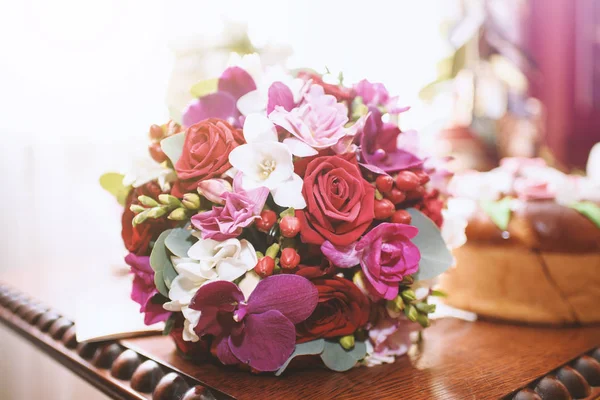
[228, 248]
[299, 148]
[203, 249]
[248, 254]
[230, 269]
[249, 282]
[593, 164]
[183, 289]
[247, 160]
[197, 272]
[258, 128]
[252, 102]
[289, 193]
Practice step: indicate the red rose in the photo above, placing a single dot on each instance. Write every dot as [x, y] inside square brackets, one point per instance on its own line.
[339, 202]
[432, 207]
[137, 239]
[206, 152]
[342, 307]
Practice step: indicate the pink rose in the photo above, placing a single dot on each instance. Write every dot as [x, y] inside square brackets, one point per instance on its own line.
[385, 254]
[318, 123]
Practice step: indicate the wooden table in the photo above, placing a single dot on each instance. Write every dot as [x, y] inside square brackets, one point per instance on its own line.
[457, 360]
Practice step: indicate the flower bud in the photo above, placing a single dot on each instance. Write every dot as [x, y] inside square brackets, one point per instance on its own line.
[384, 183]
[407, 180]
[156, 212]
[289, 258]
[136, 208]
[395, 196]
[347, 342]
[266, 221]
[178, 214]
[147, 201]
[156, 132]
[169, 200]
[272, 251]
[265, 266]
[423, 320]
[213, 189]
[383, 209]
[289, 226]
[411, 313]
[191, 201]
[401, 217]
[425, 308]
[140, 218]
[408, 295]
[157, 153]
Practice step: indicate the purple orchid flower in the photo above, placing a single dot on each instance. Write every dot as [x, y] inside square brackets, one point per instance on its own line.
[380, 150]
[376, 95]
[233, 84]
[240, 209]
[143, 289]
[259, 332]
[385, 254]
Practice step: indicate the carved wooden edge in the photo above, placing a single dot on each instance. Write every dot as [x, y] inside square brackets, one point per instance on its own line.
[118, 371]
[578, 379]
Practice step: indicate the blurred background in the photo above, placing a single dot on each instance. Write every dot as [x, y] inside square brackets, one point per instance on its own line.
[82, 81]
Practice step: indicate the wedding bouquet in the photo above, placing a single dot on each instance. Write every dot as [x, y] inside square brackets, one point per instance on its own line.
[285, 217]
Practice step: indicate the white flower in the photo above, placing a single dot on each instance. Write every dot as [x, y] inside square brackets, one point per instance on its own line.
[256, 100]
[264, 161]
[481, 185]
[145, 169]
[456, 218]
[593, 164]
[208, 260]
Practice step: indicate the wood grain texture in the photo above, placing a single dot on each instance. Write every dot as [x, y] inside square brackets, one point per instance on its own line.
[457, 360]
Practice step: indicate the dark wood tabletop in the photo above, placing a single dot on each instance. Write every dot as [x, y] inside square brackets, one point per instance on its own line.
[457, 360]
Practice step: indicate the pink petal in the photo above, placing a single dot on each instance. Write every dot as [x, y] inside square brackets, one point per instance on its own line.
[341, 256]
[292, 295]
[267, 342]
[236, 81]
[280, 95]
[216, 105]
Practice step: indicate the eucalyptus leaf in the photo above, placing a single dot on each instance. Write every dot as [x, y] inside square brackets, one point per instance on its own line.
[589, 210]
[435, 256]
[112, 182]
[336, 358]
[160, 261]
[179, 241]
[172, 146]
[205, 87]
[303, 349]
[498, 211]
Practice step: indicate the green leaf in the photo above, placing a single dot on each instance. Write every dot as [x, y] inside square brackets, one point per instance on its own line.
[589, 210]
[288, 212]
[172, 146]
[205, 87]
[336, 358]
[435, 256]
[169, 323]
[160, 261]
[498, 211]
[179, 241]
[112, 182]
[303, 349]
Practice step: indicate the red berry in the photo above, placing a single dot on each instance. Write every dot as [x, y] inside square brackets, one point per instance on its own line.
[383, 209]
[384, 183]
[156, 132]
[407, 180]
[416, 194]
[289, 258]
[266, 221]
[265, 266]
[157, 153]
[423, 176]
[289, 226]
[401, 217]
[396, 196]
